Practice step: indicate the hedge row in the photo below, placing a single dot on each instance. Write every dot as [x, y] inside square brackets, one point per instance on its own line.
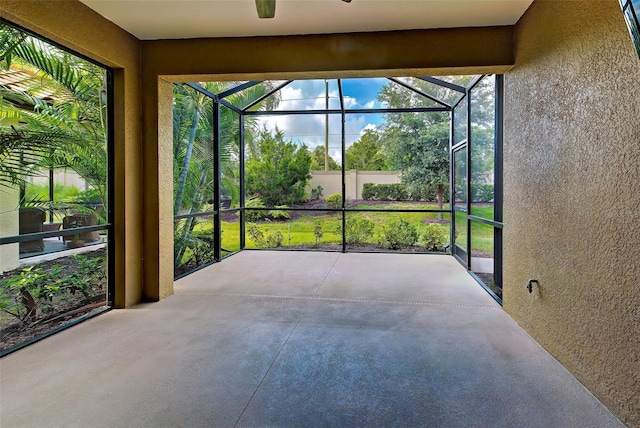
[402, 192]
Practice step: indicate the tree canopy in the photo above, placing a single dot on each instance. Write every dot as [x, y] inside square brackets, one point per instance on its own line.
[279, 170]
[367, 154]
[317, 160]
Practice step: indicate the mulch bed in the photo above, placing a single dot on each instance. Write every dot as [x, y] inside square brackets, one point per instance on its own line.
[67, 308]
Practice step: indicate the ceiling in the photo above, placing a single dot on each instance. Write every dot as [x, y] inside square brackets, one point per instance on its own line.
[180, 19]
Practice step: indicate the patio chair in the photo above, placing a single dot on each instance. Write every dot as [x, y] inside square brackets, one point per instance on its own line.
[30, 221]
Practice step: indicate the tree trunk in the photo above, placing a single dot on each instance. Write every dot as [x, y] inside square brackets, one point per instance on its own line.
[185, 164]
[440, 199]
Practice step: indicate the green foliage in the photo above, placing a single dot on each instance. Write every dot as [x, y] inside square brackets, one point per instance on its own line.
[385, 192]
[317, 230]
[69, 132]
[279, 171]
[61, 192]
[316, 193]
[35, 291]
[317, 160]
[482, 192]
[397, 234]
[357, 229]
[254, 215]
[203, 246]
[367, 154]
[90, 195]
[334, 201]
[24, 295]
[264, 238]
[279, 214]
[434, 237]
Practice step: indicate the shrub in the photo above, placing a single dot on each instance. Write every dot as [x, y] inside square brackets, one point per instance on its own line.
[278, 171]
[434, 237]
[317, 230]
[22, 296]
[357, 229]
[279, 214]
[385, 192]
[316, 193]
[200, 245]
[264, 239]
[254, 215]
[397, 234]
[482, 192]
[368, 191]
[334, 201]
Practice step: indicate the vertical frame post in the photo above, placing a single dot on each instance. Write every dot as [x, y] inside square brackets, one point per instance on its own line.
[467, 148]
[110, 208]
[343, 151]
[498, 180]
[241, 157]
[217, 232]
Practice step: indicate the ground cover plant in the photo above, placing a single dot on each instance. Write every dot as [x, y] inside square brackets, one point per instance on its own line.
[39, 298]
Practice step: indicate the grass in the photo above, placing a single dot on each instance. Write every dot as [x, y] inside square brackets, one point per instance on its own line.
[300, 232]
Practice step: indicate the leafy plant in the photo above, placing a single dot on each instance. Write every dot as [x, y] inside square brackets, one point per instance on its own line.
[279, 170]
[316, 193]
[397, 234]
[482, 192]
[22, 296]
[385, 192]
[264, 239]
[254, 215]
[357, 229]
[434, 237]
[279, 214]
[317, 230]
[334, 201]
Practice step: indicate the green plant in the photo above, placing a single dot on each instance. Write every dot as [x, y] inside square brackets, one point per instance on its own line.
[254, 215]
[482, 192]
[334, 201]
[385, 192]
[434, 237]
[316, 193]
[264, 238]
[357, 229]
[278, 171]
[279, 214]
[317, 230]
[397, 234]
[23, 295]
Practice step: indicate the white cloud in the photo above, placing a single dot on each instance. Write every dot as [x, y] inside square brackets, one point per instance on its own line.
[310, 129]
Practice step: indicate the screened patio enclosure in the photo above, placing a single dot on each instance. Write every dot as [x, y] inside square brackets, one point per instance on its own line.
[407, 164]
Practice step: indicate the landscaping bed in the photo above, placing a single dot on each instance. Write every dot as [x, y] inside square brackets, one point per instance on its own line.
[63, 290]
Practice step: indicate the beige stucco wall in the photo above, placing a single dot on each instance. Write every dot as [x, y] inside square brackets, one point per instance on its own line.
[331, 181]
[9, 226]
[75, 26]
[572, 194]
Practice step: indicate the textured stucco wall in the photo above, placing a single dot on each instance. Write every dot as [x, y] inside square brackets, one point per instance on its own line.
[572, 194]
[73, 25]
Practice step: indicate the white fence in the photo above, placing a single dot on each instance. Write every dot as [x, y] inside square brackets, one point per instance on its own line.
[331, 181]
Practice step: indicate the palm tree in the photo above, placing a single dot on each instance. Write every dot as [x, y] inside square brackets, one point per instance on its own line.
[54, 114]
[193, 150]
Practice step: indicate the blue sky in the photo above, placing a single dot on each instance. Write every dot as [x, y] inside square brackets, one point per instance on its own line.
[310, 95]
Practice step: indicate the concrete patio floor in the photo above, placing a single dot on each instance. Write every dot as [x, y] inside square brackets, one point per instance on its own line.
[287, 339]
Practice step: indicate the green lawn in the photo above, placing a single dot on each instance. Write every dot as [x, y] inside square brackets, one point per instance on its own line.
[300, 232]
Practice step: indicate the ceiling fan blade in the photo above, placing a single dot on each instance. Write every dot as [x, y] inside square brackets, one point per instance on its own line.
[266, 8]
[347, 1]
